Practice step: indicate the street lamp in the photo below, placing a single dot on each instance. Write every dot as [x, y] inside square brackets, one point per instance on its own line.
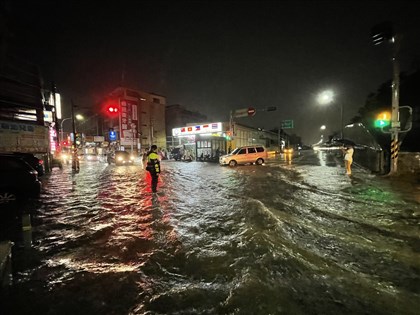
[78, 117]
[327, 97]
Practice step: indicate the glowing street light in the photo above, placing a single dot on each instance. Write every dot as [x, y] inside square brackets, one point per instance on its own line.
[327, 97]
[323, 127]
[78, 117]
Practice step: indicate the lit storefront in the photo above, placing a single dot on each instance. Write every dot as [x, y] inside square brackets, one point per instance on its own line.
[201, 141]
[214, 139]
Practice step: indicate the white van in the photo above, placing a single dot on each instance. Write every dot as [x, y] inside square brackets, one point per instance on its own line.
[248, 154]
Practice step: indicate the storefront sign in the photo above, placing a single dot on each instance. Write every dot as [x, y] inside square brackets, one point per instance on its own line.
[53, 139]
[197, 129]
[129, 122]
[21, 137]
[48, 116]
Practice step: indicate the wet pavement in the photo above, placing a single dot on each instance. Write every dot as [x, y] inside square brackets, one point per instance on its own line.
[295, 236]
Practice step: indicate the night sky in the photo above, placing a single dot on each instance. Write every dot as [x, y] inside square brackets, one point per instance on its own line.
[217, 56]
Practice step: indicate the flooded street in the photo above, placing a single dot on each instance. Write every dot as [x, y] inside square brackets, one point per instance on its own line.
[290, 237]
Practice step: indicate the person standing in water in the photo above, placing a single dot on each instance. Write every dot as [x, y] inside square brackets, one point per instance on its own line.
[348, 158]
[153, 166]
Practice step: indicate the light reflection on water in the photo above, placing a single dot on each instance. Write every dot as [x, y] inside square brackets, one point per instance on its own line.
[282, 238]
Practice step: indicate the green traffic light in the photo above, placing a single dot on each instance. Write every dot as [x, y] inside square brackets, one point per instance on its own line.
[382, 123]
[383, 119]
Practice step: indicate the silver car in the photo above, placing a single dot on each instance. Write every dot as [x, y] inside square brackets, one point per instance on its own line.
[244, 155]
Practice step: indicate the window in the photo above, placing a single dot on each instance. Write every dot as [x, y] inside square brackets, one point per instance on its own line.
[156, 100]
[242, 151]
[260, 149]
[252, 150]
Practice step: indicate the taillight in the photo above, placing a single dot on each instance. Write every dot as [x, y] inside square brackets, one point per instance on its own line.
[41, 162]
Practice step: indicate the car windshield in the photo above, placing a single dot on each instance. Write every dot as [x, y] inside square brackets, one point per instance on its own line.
[235, 151]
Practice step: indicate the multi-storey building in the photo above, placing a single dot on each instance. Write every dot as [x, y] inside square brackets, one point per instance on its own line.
[141, 118]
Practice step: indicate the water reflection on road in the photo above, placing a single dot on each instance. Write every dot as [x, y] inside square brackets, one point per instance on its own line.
[291, 237]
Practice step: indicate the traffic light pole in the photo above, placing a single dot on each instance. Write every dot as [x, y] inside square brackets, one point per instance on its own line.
[395, 123]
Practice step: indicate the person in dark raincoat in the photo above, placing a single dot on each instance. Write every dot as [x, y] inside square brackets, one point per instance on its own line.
[153, 166]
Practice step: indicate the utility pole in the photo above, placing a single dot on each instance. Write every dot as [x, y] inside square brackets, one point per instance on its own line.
[75, 159]
[395, 123]
[380, 33]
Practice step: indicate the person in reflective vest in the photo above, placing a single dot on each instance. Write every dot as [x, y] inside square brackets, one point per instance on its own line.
[153, 166]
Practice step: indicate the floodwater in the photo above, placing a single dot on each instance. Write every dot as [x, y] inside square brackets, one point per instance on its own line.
[295, 236]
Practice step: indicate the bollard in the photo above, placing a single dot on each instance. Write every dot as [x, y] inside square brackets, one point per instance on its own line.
[27, 230]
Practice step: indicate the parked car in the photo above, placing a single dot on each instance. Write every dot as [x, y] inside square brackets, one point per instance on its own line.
[33, 161]
[120, 158]
[244, 155]
[18, 179]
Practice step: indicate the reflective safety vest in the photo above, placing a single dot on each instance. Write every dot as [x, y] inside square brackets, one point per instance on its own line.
[153, 162]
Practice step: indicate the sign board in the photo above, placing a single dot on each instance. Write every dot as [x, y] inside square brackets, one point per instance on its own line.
[287, 124]
[21, 137]
[48, 116]
[128, 122]
[98, 138]
[240, 113]
[197, 129]
[112, 135]
[251, 111]
[244, 112]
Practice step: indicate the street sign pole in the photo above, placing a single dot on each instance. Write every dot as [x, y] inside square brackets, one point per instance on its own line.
[231, 123]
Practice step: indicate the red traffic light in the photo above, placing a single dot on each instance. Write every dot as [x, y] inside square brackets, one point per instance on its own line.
[112, 110]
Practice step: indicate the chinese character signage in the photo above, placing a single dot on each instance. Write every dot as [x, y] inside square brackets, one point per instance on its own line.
[197, 129]
[129, 123]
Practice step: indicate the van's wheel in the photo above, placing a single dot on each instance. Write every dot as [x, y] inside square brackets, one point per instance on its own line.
[259, 161]
[232, 163]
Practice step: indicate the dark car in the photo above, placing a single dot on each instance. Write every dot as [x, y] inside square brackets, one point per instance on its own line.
[18, 180]
[33, 161]
[120, 158]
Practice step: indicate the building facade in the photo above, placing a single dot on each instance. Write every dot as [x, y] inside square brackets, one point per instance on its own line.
[210, 140]
[140, 121]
